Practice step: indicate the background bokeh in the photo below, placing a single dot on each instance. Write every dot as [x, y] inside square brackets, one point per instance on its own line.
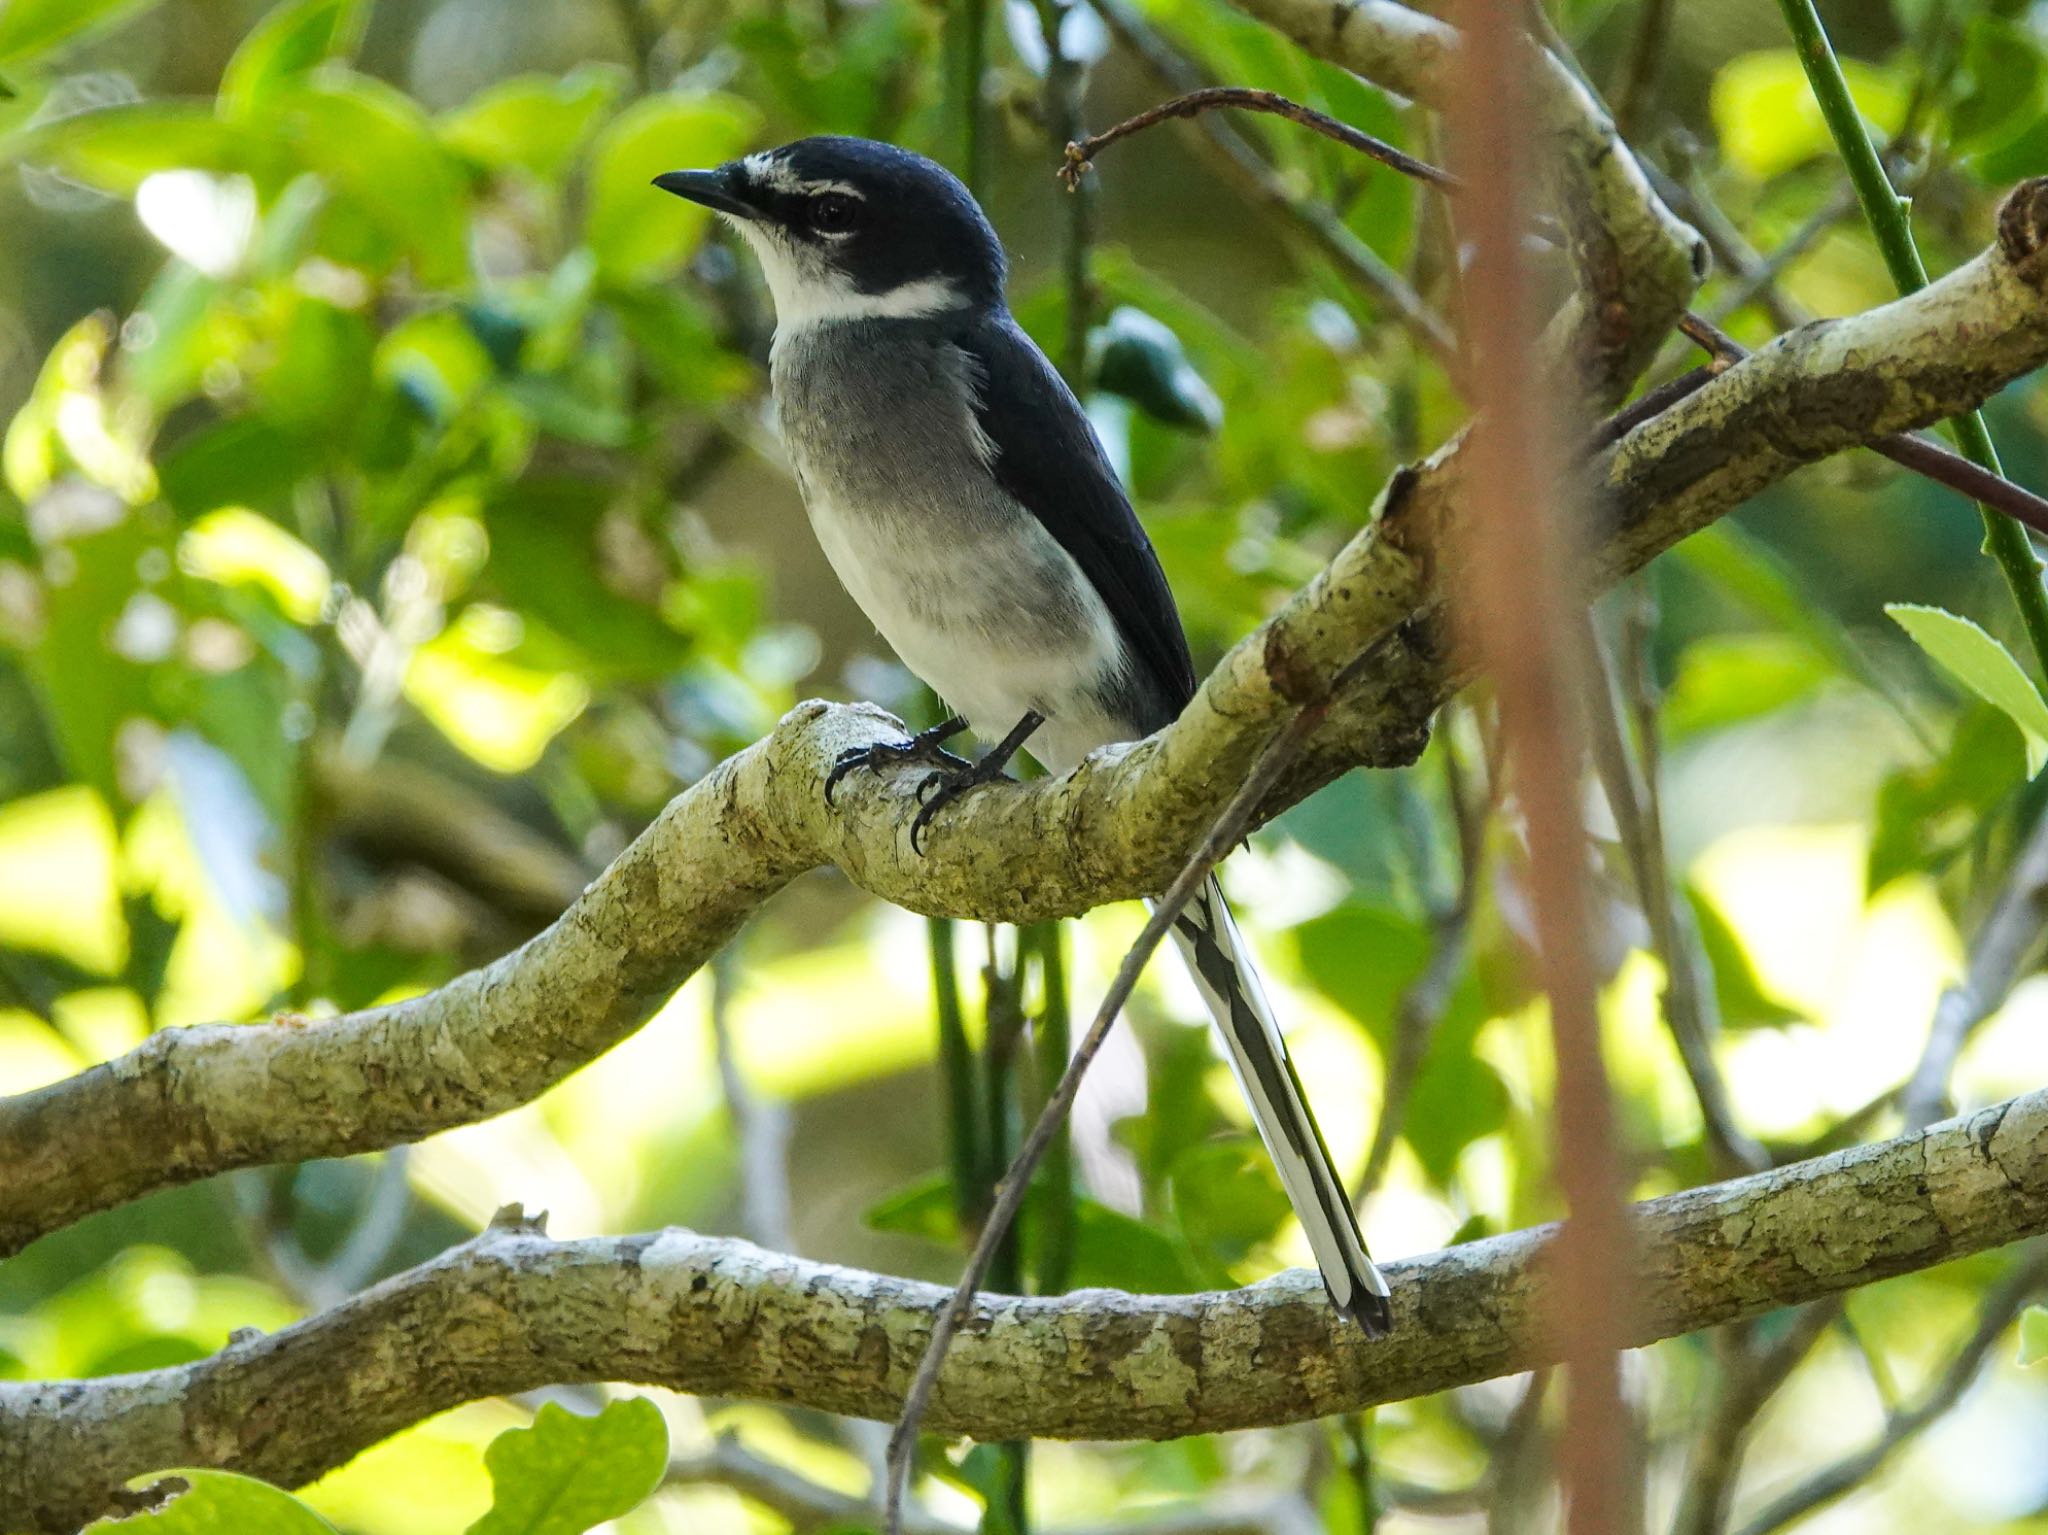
[391, 521]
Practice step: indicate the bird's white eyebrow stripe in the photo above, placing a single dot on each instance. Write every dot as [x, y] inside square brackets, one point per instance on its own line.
[772, 171]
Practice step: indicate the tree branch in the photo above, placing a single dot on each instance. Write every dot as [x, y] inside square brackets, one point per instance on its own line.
[511, 1310]
[192, 1102]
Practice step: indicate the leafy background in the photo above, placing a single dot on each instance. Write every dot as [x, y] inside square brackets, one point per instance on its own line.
[390, 522]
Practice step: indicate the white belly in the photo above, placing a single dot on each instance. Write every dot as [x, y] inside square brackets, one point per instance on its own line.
[960, 614]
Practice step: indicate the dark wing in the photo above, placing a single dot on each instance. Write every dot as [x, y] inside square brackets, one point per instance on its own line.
[1048, 458]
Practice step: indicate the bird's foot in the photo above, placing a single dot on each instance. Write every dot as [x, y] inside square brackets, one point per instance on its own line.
[927, 746]
[944, 785]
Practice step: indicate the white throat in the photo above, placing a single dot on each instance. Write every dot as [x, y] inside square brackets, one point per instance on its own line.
[808, 290]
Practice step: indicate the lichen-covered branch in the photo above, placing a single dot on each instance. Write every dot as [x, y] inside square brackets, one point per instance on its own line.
[1637, 262]
[188, 1103]
[512, 1310]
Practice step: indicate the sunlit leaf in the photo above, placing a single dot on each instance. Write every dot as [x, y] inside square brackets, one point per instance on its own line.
[32, 27]
[2033, 1335]
[1768, 120]
[638, 232]
[568, 1472]
[1728, 679]
[116, 149]
[535, 123]
[221, 1503]
[1982, 665]
[376, 148]
[291, 40]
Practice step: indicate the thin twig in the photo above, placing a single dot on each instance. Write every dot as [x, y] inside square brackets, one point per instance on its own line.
[1245, 99]
[1688, 997]
[1901, 1427]
[1758, 277]
[1229, 826]
[2011, 931]
[1356, 261]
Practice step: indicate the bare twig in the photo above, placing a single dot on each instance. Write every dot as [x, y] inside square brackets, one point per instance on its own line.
[513, 1311]
[1353, 258]
[1902, 1426]
[1244, 99]
[1688, 995]
[2011, 932]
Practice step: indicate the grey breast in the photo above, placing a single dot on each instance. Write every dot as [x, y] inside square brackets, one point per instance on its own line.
[878, 417]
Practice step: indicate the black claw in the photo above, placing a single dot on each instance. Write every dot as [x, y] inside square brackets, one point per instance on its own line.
[942, 788]
[925, 747]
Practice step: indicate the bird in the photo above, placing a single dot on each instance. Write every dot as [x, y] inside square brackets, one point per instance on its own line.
[962, 497]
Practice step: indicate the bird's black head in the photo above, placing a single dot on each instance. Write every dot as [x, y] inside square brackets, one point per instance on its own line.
[850, 228]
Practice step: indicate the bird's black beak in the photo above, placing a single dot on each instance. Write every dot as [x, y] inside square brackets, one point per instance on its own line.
[718, 190]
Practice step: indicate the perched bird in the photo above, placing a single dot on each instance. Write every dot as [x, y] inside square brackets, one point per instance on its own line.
[961, 494]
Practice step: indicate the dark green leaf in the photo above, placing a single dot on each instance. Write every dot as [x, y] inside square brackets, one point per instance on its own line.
[1136, 356]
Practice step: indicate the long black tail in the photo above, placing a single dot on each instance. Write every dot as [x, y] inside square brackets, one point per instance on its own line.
[1222, 967]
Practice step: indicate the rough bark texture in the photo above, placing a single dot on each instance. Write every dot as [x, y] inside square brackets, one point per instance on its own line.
[192, 1102]
[512, 1310]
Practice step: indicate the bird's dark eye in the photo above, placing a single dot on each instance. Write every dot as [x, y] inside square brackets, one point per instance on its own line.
[834, 212]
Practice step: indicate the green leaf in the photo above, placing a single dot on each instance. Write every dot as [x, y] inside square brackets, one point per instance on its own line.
[287, 43]
[1111, 1250]
[31, 27]
[117, 149]
[640, 234]
[534, 123]
[221, 1503]
[1727, 679]
[568, 1472]
[374, 146]
[1983, 666]
[1140, 358]
[2033, 1336]
[1768, 121]
[1928, 813]
[2002, 62]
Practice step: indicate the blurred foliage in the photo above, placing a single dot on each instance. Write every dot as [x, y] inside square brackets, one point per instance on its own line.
[391, 521]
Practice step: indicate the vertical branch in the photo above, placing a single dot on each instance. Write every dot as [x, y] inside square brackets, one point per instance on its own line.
[1003, 991]
[1688, 1001]
[1065, 84]
[956, 1064]
[1052, 1042]
[1886, 213]
[1519, 601]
